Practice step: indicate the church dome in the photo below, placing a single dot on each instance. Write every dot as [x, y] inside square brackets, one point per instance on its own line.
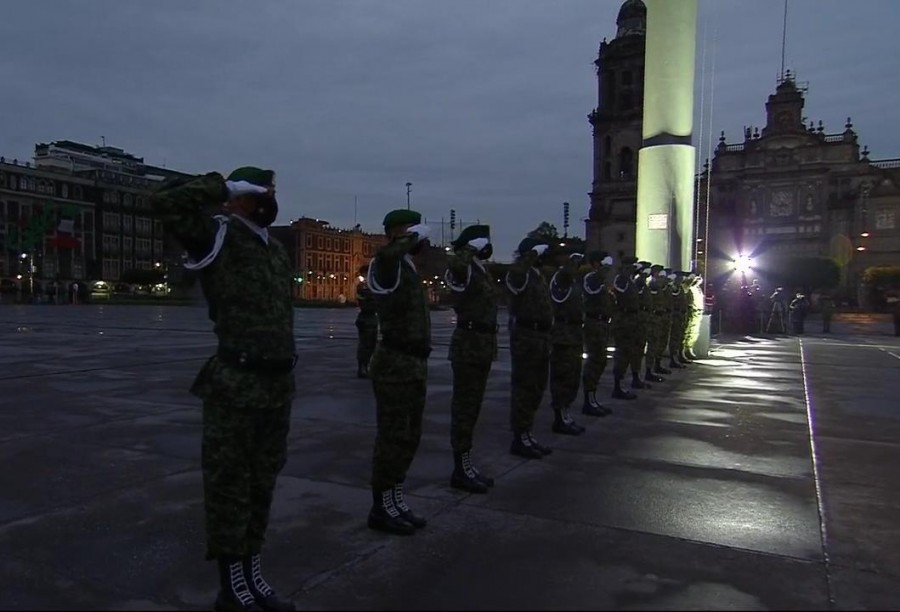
[632, 18]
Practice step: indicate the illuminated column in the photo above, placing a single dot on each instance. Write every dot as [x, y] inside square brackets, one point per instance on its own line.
[665, 209]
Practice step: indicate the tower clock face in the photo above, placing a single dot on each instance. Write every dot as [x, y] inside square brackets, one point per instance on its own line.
[782, 204]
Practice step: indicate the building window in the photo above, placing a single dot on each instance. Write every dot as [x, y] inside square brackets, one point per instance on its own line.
[885, 219]
[309, 241]
[320, 243]
[129, 200]
[111, 221]
[65, 191]
[626, 163]
[157, 248]
[111, 269]
[127, 223]
[143, 225]
[127, 245]
[77, 192]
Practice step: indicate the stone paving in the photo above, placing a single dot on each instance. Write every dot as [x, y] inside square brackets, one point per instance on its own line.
[702, 494]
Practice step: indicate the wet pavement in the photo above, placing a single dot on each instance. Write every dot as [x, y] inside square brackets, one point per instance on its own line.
[702, 494]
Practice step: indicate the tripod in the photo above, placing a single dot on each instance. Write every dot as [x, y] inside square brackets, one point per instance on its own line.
[777, 312]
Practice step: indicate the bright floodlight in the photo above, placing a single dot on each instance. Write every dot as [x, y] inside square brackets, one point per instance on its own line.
[743, 264]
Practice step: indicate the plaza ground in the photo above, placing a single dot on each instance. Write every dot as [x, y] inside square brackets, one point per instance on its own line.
[765, 477]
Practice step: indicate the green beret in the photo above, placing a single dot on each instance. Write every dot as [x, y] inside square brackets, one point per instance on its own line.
[527, 244]
[655, 268]
[645, 264]
[471, 233]
[401, 216]
[254, 176]
[629, 260]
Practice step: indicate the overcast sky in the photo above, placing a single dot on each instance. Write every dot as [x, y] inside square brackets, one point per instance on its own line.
[481, 104]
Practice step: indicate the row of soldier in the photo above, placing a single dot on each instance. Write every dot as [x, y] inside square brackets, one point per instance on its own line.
[248, 385]
[564, 309]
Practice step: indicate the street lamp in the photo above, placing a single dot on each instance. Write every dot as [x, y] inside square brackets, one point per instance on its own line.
[408, 185]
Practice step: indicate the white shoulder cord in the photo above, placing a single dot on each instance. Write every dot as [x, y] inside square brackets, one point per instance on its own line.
[616, 284]
[454, 286]
[587, 287]
[373, 284]
[217, 246]
[553, 284]
[520, 289]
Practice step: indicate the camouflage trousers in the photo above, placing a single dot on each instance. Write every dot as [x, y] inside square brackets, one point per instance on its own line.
[399, 407]
[596, 338]
[469, 383]
[530, 352]
[676, 336]
[625, 338]
[368, 338]
[244, 449]
[692, 332]
[640, 341]
[658, 336]
[565, 374]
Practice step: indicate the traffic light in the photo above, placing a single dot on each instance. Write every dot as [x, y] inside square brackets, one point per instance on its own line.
[565, 214]
[452, 219]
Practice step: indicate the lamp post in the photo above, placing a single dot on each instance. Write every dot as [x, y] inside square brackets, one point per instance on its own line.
[408, 185]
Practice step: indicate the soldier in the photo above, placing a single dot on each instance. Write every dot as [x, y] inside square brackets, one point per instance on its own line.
[676, 334]
[625, 324]
[248, 386]
[531, 315]
[398, 369]
[567, 342]
[695, 316]
[686, 301]
[798, 308]
[643, 331]
[473, 347]
[658, 322]
[366, 324]
[827, 303]
[599, 306]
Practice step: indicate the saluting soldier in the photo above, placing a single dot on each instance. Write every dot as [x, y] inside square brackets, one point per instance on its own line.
[657, 324]
[599, 307]
[366, 324]
[473, 347]
[247, 387]
[567, 342]
[676, 335]
[643, 326]
[398, 369]
[531, 315]
[625, 324]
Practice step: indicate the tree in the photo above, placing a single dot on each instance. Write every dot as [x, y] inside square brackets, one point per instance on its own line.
[808, 273]
[549, 234]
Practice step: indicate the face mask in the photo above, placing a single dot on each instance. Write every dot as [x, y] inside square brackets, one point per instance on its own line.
[417, 248]
[485, 253]
[266, 211]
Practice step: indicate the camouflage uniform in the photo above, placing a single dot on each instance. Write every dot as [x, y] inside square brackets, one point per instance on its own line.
[366, 326]
[625, 326]
[399, 370]
[248, 386]
[642, 333]
[694, 316]
[679, 319]
[567, 346]
[599, 307]
[660, 323]
[473, 347]
[529, 347]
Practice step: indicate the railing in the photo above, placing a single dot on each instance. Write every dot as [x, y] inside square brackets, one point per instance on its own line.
[734, 147]
[884, 164]
[834, 138]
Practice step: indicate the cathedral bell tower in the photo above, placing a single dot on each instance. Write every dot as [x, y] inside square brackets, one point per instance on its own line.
[616, 123]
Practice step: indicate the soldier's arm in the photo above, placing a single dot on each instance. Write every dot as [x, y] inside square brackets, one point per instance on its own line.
[517, 275]
[182, 206]
[458, 265]
[386, 265]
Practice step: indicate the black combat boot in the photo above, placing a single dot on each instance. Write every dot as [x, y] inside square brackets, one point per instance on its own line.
[544, 450]
[682, 358]
[235, 595]
[659, 369]
[592, 407]
[620, 393]
[405, 513]
[674, 364]
[691, 355]
[522, 447]
[637, 383]
[563, 423]
[362, 371]
[263, 594]
[464, 475]
[649, 375]
[384, 515]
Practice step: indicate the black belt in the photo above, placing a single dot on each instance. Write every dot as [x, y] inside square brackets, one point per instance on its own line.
[539, 326]
[597, 317]
[262, 365]
[484, 328]
[420, 351]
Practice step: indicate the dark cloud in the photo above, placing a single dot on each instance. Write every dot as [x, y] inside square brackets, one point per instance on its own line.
[481, 105]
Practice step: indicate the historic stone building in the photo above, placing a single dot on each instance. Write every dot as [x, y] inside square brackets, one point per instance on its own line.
[616, 125]
[792, 189]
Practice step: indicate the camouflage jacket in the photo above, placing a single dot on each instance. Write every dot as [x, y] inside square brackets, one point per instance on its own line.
[568, 309]
[475, 303]
[403, 314]
[679, 304]
[247, 283]
[599, 302]
[660, 299]
[627, 296]
[365, 299]
[529, 304]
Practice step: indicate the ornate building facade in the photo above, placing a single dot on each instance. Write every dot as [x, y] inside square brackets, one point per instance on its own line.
[792, 189]
[616, 127]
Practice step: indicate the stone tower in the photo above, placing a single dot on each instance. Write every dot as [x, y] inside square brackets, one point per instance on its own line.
[616, 124]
